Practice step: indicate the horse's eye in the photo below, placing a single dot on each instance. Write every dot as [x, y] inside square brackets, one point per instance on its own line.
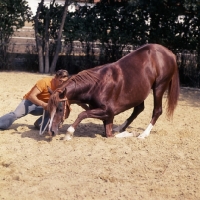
[59, 110]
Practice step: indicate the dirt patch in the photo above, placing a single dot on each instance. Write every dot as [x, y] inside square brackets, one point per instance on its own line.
[166, 165]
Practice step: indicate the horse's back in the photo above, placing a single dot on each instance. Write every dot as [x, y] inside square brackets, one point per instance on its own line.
[134, 75]
[150, 60]
[149, 51]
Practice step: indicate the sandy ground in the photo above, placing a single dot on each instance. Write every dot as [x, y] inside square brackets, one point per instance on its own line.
[166, 165]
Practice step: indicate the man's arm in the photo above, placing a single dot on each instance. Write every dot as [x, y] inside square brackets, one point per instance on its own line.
[33, 98]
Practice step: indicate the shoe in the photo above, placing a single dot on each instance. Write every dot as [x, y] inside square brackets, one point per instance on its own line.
[37, 126]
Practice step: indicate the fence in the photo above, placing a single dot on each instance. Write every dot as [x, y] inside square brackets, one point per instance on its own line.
[78, 56]
[188, 69]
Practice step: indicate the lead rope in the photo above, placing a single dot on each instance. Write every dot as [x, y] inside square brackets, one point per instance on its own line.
[41, 125]
[66, 103]
[64, 115]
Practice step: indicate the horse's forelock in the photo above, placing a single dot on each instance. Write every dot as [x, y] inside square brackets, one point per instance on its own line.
[53, 101]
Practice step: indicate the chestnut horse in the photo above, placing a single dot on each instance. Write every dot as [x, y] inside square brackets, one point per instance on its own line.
[113, 88]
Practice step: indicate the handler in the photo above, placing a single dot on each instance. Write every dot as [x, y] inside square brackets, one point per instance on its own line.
[35, 101]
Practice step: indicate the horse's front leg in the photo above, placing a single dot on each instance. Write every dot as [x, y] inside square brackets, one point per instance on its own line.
[71, 129]
[94, 113]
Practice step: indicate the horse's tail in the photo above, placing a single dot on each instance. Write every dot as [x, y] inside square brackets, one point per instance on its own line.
[173, 93]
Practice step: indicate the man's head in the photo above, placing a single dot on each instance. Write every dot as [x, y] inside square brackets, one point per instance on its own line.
[61, 76]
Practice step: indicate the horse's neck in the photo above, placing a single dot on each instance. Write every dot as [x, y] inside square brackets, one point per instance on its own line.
[79, 85]
[76, 91]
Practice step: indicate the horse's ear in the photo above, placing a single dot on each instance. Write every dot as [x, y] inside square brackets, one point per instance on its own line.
[50, 90]
[63, 93]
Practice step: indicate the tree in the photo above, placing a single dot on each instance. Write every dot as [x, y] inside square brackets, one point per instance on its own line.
[38, 38]
[117, 24]
[48, 26]
[190, 29]
[114, 25]
[13, 15]
[58, 45]
[160, 18]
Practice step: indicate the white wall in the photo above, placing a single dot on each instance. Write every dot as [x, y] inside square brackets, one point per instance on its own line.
[34, 4]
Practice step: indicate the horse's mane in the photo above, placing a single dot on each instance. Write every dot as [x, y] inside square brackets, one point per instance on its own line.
[82, 78]
[86, 77]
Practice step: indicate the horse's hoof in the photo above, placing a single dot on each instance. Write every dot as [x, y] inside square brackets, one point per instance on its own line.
[50, 133]
[67, 137]
[124, 134]
[141, 137]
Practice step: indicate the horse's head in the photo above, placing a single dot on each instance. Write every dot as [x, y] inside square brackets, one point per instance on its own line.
[59, 110]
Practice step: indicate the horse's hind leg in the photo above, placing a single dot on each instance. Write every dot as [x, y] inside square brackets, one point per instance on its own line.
[136, 111]
[157, 111]
[108, 124]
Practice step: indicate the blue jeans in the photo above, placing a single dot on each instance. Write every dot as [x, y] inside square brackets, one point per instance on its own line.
[24, 108]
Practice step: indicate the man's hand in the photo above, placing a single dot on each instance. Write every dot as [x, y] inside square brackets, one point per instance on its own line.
[44, 105]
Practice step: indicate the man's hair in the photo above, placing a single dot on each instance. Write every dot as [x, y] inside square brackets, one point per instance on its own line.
[62, 73]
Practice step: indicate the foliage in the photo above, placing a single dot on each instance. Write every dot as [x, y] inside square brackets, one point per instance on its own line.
[105, 22]
[13, 14]
[48, 23]
[172, 23]
[117, 27]
[55, 14]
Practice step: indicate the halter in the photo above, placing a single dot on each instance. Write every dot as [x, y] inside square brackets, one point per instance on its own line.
[66, 103]
[41, 125]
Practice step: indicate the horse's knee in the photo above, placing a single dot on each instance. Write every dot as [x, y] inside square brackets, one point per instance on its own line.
[83, 115]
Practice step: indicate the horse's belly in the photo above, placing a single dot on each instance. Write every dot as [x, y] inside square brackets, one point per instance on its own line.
[130, 98]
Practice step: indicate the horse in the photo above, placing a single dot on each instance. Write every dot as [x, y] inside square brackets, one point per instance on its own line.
[113, 88]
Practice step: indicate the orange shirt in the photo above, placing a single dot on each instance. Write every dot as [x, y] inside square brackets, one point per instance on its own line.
[42, 87]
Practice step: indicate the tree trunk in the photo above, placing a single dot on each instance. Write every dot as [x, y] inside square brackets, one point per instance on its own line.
[39, 42]
[47, 24]
[46, 49]
[198, 45]
[40, 54]
[58, 45]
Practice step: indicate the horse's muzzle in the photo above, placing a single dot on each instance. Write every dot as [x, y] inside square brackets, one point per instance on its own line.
[53, 132]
